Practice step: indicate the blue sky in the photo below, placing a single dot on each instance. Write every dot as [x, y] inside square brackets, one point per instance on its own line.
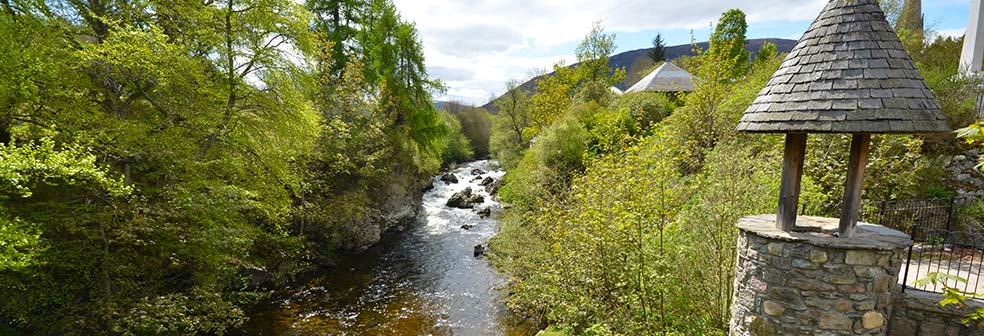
[475, 46]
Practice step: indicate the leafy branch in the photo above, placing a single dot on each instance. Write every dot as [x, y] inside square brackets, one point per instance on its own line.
[951, 295]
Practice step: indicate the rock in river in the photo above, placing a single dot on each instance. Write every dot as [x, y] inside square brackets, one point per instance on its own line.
[485, 212]
[487, 181]
[479, 250]
[493, 188]
[465, 199]
[449, 178]
[477, 171]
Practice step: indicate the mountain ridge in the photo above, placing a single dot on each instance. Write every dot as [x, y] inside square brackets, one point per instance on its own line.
[630, 60]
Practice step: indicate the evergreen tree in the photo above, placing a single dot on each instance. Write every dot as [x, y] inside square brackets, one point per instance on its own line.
[658, 52]
[340, 21]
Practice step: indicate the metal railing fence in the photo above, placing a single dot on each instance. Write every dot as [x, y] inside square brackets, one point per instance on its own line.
[939, 243]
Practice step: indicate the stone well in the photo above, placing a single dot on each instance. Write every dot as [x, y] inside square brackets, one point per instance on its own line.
[810, 282]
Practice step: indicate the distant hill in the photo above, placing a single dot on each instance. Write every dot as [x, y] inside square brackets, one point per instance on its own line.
[634, 61]
[453, 107]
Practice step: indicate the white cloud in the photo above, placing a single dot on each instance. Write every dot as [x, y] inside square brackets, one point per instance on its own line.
[957, 32]
[492, 39]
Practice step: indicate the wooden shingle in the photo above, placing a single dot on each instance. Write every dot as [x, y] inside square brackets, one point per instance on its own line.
[848, 74]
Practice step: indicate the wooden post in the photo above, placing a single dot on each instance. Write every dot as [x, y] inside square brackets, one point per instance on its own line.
[792, 173]
[852, 189]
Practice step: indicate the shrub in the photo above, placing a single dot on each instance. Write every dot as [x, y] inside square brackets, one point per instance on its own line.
[555, 157]
[561, 147]
[645, 108]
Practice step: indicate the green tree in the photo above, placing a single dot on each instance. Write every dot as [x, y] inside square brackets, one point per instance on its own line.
[556, 91]
[458, 148]
[554, 94]
[766, 53]
[508, 139]
[340, 21]
[728, 41]
[658, 52]
[592, 56]
[39, 166]
[396, 66]
[711, 111]
[476, 125]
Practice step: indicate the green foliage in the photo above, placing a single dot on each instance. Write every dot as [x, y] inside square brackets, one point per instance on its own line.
[766, 53]
[741, 178]
[896, 168]
[592, 54]
[339, 21]
[647, 109]
[711, 111]
[595, 92]
[179, 314]
[395, 65]
[556, 92]
[618, 248]
[641, 239]
[567, 121]
[562, 146]
[509, 127]
[458, 148]
[23, 168]
[555, 158]
[951, 295]
[728, 42]
[476, 125]
[608, 130]
[587, 130]
[957, 94]
[35, 166]
[154, 154]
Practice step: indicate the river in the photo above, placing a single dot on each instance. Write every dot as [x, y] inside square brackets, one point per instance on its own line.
[424, 281]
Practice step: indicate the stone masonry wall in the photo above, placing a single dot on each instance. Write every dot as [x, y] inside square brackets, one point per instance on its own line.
[918, 313]
[800, 287]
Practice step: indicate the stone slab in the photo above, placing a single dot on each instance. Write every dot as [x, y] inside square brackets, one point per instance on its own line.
[868, 237]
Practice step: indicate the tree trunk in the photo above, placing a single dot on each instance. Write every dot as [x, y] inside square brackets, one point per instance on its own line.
[5, 136]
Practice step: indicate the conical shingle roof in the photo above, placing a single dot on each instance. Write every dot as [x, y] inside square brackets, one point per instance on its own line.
[666, 78]
[848, 74]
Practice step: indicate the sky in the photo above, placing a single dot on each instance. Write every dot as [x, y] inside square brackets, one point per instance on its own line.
[476, 46]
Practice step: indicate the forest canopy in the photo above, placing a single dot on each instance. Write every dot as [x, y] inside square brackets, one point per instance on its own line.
[156, 156]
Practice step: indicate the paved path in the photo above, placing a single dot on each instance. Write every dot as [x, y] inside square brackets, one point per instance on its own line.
[969, 267]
